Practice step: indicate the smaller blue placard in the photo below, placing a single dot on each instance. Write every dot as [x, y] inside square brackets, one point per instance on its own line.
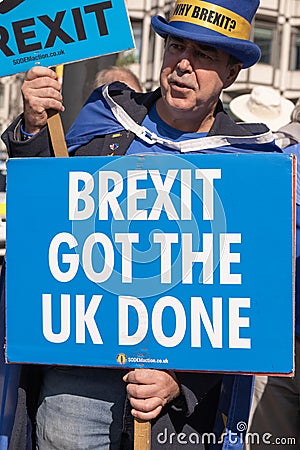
[173, 262]
[35, 32]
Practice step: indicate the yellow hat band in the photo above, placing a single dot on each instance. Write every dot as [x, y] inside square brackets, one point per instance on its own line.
[213, 17]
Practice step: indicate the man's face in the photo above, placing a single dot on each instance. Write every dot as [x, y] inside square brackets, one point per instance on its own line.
[193, 75]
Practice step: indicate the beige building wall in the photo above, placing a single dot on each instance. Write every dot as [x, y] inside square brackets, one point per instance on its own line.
[277, 25]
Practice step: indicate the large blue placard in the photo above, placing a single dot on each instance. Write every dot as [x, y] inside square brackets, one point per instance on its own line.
[34, 32]
[170, 262]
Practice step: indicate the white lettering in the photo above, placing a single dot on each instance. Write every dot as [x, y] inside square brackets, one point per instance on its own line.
[142, 328]
[226, 258]
[126, 240]
[108, 196]
[189, 257]
[65, 326]
[134, 194]
[186, 195]
[85, 318]
[163, 195]
[71, 259]
[208, 176]
[76, 194]
[111, 184]
[165, 240]
[135, 321]
[236, 322]
[198, 313]
[180, 321]
[108, 258]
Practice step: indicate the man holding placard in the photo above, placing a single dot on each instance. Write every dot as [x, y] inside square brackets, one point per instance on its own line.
[206, 45]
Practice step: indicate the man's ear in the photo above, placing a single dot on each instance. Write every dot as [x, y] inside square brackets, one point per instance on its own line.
[234, 70]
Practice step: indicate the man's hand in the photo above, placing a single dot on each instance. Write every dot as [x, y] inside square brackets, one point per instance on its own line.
[41, 92]
[149, 391]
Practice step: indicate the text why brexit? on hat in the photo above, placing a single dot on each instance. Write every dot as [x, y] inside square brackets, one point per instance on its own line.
[205, 15]
[213, 16]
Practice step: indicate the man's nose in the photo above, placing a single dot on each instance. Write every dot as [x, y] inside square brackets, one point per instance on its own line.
[184, 65]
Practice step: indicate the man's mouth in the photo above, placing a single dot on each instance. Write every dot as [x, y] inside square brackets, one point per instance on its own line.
[179, 84]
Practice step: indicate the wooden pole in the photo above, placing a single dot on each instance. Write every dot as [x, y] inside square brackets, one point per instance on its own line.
[142, 435]
[57, 134]
[55, 125]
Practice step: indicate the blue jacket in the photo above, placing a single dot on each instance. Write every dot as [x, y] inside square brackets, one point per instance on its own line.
[295, 149]
[92, 134]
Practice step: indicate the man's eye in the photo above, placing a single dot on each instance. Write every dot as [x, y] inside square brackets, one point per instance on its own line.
[176, 46]
[199, 54]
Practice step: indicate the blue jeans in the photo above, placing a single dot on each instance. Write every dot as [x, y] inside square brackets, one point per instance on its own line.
[81, 409]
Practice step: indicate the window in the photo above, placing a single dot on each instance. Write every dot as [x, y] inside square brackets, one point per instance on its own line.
[264, 38]
[295, 50]
[133, 56]
[267, 37]
[137, 33]
[151, 46]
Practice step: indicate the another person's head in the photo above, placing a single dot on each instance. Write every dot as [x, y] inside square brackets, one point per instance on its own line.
[206, 46]
[289, 133]
[295, 116]
[263, 104]
[116, 73]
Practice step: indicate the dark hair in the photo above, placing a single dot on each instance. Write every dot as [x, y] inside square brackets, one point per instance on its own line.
[232, 60]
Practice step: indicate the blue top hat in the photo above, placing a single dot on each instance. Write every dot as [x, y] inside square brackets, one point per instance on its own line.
[224, 24]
